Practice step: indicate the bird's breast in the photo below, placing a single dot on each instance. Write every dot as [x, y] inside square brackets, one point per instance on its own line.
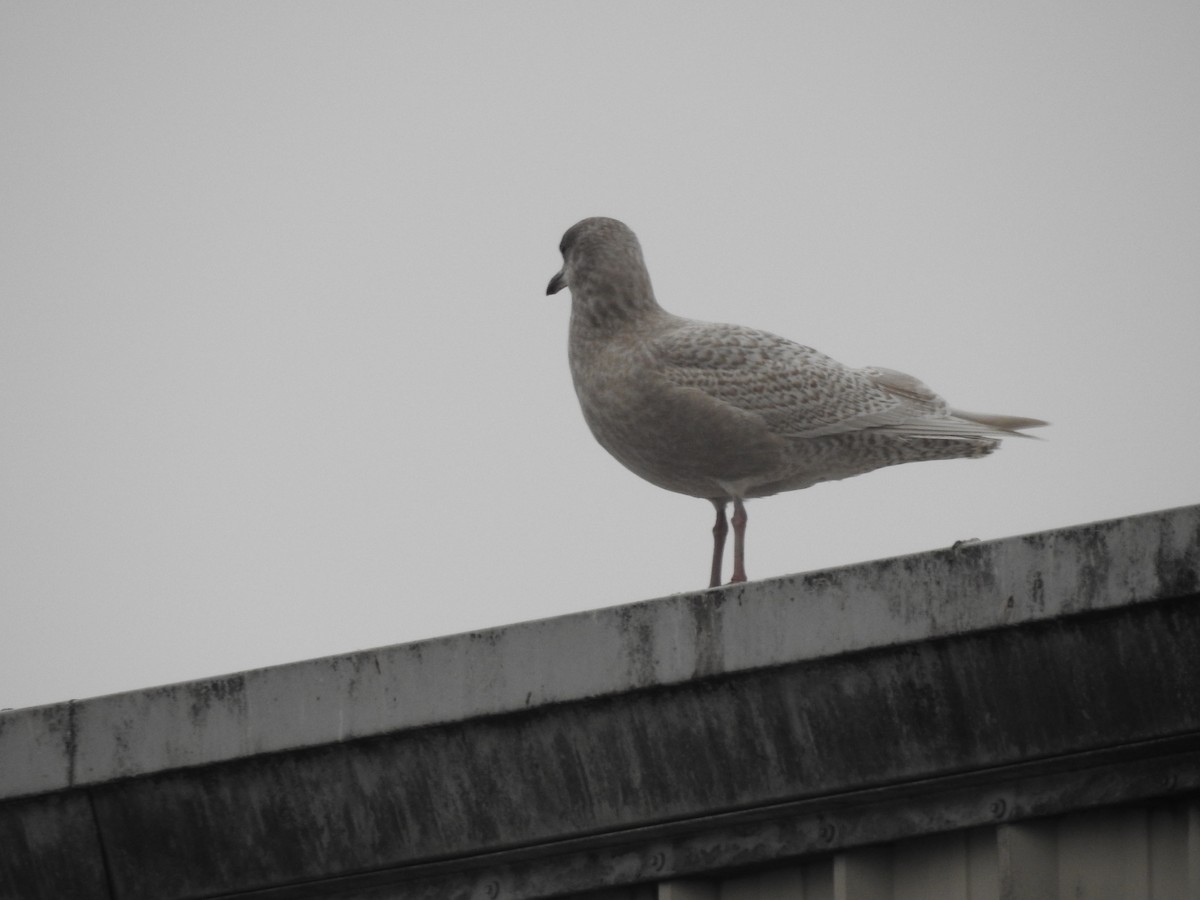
[676, 437]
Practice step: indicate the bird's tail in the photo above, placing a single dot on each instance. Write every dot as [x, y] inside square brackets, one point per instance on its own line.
[1001, 425]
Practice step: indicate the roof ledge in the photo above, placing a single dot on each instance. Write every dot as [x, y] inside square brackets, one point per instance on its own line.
[997, 680]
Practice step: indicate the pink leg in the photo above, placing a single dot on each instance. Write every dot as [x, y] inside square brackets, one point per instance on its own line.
[719, 531]
[739, 542]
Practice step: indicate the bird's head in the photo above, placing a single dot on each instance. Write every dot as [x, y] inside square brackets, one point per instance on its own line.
[602, 257]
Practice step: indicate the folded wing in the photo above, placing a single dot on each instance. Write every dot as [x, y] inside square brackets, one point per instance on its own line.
[801, 393]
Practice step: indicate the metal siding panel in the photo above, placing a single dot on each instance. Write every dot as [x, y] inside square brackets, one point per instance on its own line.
[783, 884]
[818, 880]
[774, 884]
[1193, 852]
[744, 887]
[1168, 853]
[863, 874]
[983, 866]
[1135, 828]
[1094, 857]
[688, 890]
[1027, 861]
[930, 867]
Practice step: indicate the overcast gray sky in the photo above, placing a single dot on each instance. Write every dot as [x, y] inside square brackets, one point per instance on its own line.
[278, 377]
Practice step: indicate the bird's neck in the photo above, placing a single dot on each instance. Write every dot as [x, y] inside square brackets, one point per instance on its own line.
[612, 303]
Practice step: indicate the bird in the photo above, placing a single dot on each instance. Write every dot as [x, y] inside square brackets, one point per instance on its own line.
[728, 413]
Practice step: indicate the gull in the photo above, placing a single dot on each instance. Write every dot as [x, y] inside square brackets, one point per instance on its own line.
[728, 413]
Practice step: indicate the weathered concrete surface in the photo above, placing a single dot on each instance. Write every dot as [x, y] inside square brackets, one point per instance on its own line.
[1007, 663]
[608, 651]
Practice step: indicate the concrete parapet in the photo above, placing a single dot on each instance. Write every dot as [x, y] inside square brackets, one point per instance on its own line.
[987, 683]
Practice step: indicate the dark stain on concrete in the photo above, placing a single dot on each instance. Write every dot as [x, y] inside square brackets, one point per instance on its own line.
[71, 740]
[1178, 575]
[708, 632]
[49, 849]
[218, 692]
[636, 627]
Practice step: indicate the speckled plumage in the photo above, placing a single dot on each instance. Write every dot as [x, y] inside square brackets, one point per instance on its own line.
[725, 412]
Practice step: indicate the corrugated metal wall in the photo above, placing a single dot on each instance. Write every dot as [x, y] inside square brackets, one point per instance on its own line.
[1149, 852]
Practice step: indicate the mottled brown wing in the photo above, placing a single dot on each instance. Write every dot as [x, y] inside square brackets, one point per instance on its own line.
[798, 391]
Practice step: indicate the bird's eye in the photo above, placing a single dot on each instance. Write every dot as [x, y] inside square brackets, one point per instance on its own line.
[562, 247]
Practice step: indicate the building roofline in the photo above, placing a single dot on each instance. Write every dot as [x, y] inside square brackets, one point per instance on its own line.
[969, 687]
[973, 587]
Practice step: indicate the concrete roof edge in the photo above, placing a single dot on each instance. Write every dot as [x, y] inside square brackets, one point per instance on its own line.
[976, 586]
